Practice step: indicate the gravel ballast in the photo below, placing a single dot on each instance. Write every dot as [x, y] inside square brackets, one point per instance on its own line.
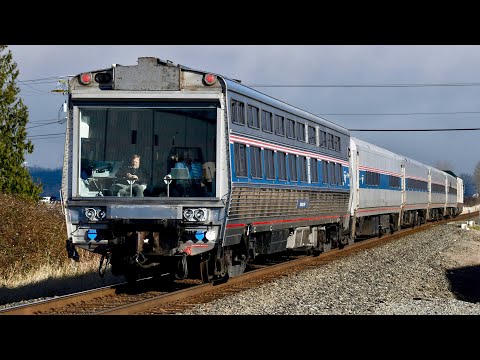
[432, 272]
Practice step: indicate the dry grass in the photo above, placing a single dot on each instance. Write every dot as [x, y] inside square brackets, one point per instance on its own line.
[32, 244]
[45, 272]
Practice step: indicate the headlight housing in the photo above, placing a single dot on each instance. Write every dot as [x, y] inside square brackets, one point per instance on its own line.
[188, 214]
[95, 214]
[199, 214]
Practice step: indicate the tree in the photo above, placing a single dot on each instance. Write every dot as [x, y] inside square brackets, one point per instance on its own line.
[14, 177]
[468, 184]
[476, 175]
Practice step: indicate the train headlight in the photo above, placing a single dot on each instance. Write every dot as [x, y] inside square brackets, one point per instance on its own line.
[95, 214]
[90, 214]
[200, 214]
[102, 78]
[100, 214]
[188, 214]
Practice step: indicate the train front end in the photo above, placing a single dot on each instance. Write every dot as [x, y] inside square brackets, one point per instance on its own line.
[144, 182]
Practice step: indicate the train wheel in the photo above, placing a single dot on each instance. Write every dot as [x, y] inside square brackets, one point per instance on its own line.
[239, 265]
[204, 273]
[181, 271]
[219, 266]
[381, 231]
[236, 261]
[392, 228]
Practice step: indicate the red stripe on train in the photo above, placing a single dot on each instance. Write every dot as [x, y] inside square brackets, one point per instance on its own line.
[230, 226]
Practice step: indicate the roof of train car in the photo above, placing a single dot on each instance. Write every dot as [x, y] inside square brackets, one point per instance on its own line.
[234, 85]
[377, 148]
[237, 86]
[380, 149]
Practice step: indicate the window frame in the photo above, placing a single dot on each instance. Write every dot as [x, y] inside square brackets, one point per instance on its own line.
[267, 122]
[250, 108]
[301, 132]
[282, 165]
[237, 148]
[236, 111]
[281, 120]
[314, 135]
[313, 170]
[256, 163]
[292, 167]
[269, 164]
[291, 121]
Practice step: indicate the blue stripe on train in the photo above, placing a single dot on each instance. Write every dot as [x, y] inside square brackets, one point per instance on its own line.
[385, 183]
[276, 181]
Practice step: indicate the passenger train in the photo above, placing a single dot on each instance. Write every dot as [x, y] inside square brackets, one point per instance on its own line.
[228, 174]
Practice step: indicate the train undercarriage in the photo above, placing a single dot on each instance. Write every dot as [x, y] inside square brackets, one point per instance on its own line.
[156, 251]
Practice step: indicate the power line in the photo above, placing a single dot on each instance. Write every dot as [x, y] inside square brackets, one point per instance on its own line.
[43, 79]
[49, 123]
[47, 138]
[42, 91]
[38, 94]
[401, 114]
[361, 85]
[458, 129]
[55, 78]
[41, 121]
[42, 135]
[39, 82]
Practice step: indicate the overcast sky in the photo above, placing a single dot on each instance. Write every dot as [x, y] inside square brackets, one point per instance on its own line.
[296, 65]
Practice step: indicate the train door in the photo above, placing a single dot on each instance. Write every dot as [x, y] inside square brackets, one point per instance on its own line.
[404, 196]
[429, 184]
[354, 184]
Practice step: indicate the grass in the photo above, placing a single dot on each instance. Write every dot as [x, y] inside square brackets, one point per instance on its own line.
[32, 244]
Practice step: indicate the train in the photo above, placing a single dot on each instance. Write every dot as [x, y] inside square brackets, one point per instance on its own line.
[229, 175]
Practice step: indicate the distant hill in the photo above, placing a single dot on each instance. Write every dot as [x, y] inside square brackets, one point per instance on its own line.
[51, 180]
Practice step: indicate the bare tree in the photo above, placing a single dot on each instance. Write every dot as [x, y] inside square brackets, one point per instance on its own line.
[476, 175]
[469, 184]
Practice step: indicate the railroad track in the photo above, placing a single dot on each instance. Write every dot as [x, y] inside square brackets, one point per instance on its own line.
[153, 296]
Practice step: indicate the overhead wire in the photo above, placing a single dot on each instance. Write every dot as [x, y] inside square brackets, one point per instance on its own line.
[361, 85]
[54, 79]
[456, 129]
[400, 114]
[49, 123]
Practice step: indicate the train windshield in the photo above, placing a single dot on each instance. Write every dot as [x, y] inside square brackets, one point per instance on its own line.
[148, 151]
